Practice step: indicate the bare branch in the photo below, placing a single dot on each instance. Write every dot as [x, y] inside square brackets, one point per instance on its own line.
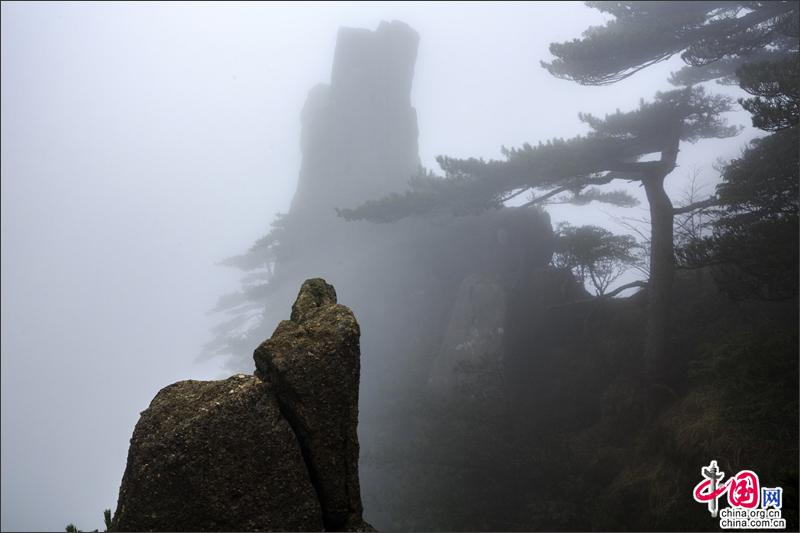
[624, 287]
[598, 299]
[545, 196]
[514, 195]
[708, 202]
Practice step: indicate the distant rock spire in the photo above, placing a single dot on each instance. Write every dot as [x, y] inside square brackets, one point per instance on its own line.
[359, 134]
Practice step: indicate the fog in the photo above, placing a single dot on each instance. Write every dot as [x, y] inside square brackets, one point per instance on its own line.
[144, 143]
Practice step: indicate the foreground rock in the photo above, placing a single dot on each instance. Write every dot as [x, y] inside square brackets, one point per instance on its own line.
[249, 454]
[215, 456]
[312, 361]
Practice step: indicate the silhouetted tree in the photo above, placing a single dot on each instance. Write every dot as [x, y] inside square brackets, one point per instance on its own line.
[72, 528]
[593, 254]
[245, 306]
[612, 151]
[714, 40]
[755, 43]
[755, 243]
[776, 87]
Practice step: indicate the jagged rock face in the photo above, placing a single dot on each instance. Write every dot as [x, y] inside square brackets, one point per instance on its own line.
[273, 452]
[369, 64]
[216, 456]
[472, 347]
[312, 361]
[403, 284]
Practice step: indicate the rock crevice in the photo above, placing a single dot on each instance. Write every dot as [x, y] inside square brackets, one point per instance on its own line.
[311, 361]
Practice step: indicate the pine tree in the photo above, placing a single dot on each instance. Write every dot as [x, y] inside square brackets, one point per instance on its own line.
[612, 151]
[752, 43]
[713, 39]
[593, 254]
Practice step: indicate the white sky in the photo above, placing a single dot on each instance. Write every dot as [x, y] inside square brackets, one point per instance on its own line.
[141, 143]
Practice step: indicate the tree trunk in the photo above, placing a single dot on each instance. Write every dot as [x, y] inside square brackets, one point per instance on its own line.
[662, 260]
[662, 269]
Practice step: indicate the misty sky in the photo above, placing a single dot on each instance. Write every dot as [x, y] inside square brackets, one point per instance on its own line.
[142, 143]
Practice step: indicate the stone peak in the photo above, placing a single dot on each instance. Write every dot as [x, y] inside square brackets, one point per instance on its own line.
[314, 293]
[366, 59]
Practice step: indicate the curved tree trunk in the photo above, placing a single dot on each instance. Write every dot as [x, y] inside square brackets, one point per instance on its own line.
[662, 269]
[662, 260]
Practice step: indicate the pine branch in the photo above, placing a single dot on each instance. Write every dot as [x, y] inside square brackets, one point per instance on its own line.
[623, 287]
[708, 202]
